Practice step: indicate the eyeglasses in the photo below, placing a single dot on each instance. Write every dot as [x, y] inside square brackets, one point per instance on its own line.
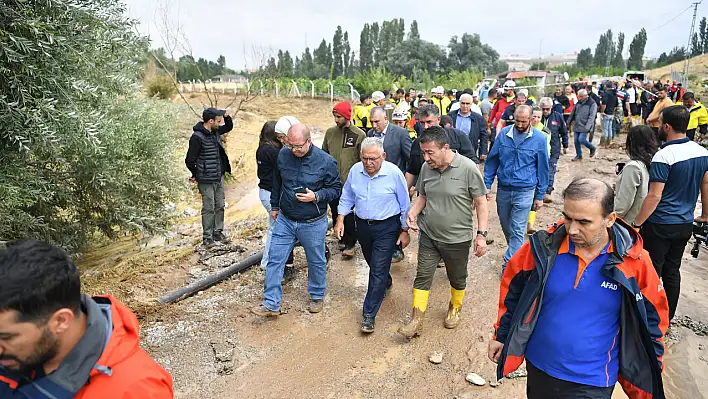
[461, 103]
[365, 159]
[546, 109]
[298, 147]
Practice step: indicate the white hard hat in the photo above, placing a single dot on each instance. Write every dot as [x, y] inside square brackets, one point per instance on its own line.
[399, 115]
[377, 96]
[285, 123]
[525, 92]
[509, 84]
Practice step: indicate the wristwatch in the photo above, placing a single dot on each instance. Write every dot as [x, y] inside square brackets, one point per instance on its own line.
[482, 233]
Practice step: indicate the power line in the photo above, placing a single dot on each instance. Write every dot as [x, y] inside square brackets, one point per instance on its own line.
[672, 19]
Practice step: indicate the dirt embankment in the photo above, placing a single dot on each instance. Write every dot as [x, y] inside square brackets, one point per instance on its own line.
[215, 348]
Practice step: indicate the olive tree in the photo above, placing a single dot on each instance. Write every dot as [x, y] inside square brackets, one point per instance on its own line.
[80, 151]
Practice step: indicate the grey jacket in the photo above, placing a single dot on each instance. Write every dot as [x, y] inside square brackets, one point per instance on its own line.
[631, 189]
[397, 145]
[584, 116]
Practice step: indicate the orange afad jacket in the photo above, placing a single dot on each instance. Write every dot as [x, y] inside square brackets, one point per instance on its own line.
[123, 370]
[644, 316]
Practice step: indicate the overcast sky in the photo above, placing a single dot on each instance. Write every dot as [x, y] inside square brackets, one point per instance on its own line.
[225, 27]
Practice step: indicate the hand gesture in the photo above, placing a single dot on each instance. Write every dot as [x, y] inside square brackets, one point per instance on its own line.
[309, 196]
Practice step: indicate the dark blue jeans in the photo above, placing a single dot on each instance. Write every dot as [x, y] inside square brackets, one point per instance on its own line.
[552, 167]
[580, 141]
[377, 244]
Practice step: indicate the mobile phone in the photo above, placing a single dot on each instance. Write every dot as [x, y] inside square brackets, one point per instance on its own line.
[618, 167]
[300, 190]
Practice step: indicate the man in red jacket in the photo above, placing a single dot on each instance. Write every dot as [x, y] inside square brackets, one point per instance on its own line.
[583, 305]
[58, 343]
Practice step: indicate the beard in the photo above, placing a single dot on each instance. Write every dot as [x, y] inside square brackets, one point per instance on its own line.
[591, 242]
[45, 350]
[662, 134]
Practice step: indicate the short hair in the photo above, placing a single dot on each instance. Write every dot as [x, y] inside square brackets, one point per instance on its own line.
[492, 92]
[522, 108]
[688, 96]
[363, 97]
[468, 91]
[582, 92]
[36, 280]
[536, 108]
[545, 101]
[586, 188]
[372, 142]
[400, 91]
[449, 93]
[434, 134]
[521, 94]
[445, 119]
[386, 93]
[377, 110]
[429, 110]
[466, 96]
[676, 116]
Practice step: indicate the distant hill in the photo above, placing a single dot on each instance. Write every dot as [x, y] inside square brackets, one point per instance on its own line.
[698, 66]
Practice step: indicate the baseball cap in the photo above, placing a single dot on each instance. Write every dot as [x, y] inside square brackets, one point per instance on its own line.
[211, 113]
[285, 123]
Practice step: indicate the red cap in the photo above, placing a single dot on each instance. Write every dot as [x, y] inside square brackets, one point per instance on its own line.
[344, 109]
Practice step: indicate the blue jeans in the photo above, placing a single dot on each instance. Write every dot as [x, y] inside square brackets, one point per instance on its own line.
[377, 244]
[513, 208]
[581, 140]
[552, 168]
[607, 127]
[312, 238]
[264, 196]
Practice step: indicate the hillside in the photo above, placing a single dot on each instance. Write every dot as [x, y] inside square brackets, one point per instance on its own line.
[698, 67]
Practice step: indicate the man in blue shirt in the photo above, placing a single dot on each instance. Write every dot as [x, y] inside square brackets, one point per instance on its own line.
[378, 192]
[472, 124]
[519, 161]
[305, 181]
[677, 175]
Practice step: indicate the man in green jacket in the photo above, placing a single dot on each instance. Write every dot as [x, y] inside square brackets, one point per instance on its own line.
[343, 143]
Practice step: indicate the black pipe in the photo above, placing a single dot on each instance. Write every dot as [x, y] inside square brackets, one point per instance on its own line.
[206, 282]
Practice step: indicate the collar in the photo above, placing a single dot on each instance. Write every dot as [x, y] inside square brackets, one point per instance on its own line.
[567, 247]
[382, 171]
[459, 114]
[679, 141]
[513, 130]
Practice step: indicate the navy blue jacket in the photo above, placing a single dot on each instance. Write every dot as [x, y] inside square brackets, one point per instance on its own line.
[559, 131]
[317, 171]
[478, 132]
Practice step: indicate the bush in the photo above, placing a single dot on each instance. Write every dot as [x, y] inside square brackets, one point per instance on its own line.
[460, 80]
[79, 152]
[160, 86]
[373, 80]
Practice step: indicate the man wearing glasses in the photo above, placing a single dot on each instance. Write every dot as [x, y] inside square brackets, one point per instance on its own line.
[305, 180]
[378, 192]
[554, 122]
[472, 124]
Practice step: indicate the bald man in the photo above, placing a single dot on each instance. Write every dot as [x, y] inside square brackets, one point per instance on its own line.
[397, 141]
[305, 181]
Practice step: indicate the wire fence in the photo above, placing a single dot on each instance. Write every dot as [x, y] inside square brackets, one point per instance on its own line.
[277, 88]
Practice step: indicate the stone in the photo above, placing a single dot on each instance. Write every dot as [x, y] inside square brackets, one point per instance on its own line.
[436, 358]
[475, 379]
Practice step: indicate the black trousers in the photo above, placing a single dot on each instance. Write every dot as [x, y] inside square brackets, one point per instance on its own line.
[540, 385]
[349, 237]
[665, 243]
[377, 242]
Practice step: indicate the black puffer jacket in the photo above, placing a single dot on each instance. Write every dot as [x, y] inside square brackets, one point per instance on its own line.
[206, 157]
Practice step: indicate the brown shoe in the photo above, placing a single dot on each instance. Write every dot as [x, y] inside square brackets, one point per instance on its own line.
[261, 310]
[316, 306]
[547, 199]
[453, 317]
[348, 253]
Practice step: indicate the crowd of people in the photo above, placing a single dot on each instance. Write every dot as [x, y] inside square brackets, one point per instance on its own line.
[586, 303]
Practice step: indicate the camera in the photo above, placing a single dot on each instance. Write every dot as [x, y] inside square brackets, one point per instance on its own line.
[700, 234]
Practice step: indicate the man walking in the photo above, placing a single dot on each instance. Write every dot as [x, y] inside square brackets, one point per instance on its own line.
[584, 117]
[449, 186]
[607, 109]
[377, 190]
[207, 160]
[473, 125]
[677, 175]
[662, 103]
[519, 160]
[397, 141]
[582, 303]
[699, 116]
[343, 143]
[305, 181]
[553, 122]
[56, 342]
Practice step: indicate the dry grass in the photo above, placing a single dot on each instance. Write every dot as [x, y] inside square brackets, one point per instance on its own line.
[698, 66]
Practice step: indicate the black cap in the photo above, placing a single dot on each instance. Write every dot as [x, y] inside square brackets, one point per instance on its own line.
[211, 113]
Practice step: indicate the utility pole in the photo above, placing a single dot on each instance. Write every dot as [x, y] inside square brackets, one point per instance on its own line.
[690, 37]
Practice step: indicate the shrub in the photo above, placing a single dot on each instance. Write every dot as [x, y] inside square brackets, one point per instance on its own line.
[79, 151]
[160, 86]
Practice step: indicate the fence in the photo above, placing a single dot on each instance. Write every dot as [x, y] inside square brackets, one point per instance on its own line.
[278, 88]
[680, 78]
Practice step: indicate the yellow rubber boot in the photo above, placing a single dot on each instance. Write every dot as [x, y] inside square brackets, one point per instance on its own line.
[420, 304]
[453, 311]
